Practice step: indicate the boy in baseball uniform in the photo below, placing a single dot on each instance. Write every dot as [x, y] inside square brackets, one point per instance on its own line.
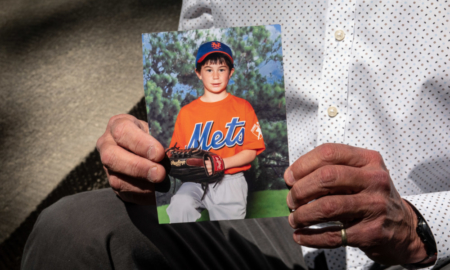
[223, 124]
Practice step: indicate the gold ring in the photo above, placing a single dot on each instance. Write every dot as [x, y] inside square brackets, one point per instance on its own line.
[344, 237]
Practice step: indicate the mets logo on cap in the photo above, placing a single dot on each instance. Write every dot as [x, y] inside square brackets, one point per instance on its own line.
[213, 47]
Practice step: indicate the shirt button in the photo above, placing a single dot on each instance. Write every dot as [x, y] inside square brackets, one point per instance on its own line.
[332, 111]
[339, 35]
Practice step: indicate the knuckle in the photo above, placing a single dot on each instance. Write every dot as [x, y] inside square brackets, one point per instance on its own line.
[297, 221]
[141, 143]
[331, 240]
[381, 180]
[328, 152]
[114, 119]
[285, 175]
[375, 156]
[328, 176]
[352, 201]
[384, 181]
[296, 194]
[100, 143]
[142, 125]
[135, 168]
[329, 208]
[118, 130]
[379, 204]
[108, 158]
[297, 169]
[377, 201]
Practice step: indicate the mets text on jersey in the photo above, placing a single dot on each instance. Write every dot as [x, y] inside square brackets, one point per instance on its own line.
[218, 140]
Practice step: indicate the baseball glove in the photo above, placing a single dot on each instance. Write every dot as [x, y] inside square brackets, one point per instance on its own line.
[188, 165]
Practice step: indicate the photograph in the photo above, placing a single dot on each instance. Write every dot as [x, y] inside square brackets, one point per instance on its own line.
[215, 99]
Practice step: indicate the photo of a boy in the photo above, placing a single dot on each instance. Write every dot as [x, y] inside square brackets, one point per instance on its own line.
[221, 123]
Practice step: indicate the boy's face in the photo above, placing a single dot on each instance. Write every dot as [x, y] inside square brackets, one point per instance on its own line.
[215, 77]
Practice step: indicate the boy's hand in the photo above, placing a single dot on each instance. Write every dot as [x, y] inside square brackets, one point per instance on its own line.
[131, 159]
[208, 166]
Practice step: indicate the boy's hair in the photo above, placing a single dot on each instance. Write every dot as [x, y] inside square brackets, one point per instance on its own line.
[215, 58]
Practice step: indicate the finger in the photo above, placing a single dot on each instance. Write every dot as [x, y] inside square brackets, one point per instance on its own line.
[362, 233]
[141, 124]
[330, 154]
[327, 180]
[329, 237]
[123, 183]
[344, 208]
[119, 160]
[131, 189]
[132, 135]
[208, 166]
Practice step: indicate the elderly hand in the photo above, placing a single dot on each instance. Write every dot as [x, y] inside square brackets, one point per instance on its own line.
[130, 157]
[352, 185]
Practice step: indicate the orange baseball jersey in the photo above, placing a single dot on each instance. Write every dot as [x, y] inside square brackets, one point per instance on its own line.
[225, 127]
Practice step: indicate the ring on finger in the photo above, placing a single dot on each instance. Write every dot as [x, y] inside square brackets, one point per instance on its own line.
[344, 237]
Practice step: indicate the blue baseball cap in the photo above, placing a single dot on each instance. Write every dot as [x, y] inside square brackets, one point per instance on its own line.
[213, 47]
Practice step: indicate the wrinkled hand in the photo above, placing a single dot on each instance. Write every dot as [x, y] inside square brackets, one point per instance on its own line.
[352, 185]
[130, 157]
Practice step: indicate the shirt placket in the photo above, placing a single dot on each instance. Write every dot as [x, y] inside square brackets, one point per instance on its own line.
[333, 95]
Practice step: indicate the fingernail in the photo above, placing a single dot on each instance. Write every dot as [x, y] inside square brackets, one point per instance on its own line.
[291, 220]
[290, 202]
[152, 173]
[152, 153]
[290, 178]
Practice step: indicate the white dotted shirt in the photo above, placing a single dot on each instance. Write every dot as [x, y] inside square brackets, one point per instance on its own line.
[388, 79]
